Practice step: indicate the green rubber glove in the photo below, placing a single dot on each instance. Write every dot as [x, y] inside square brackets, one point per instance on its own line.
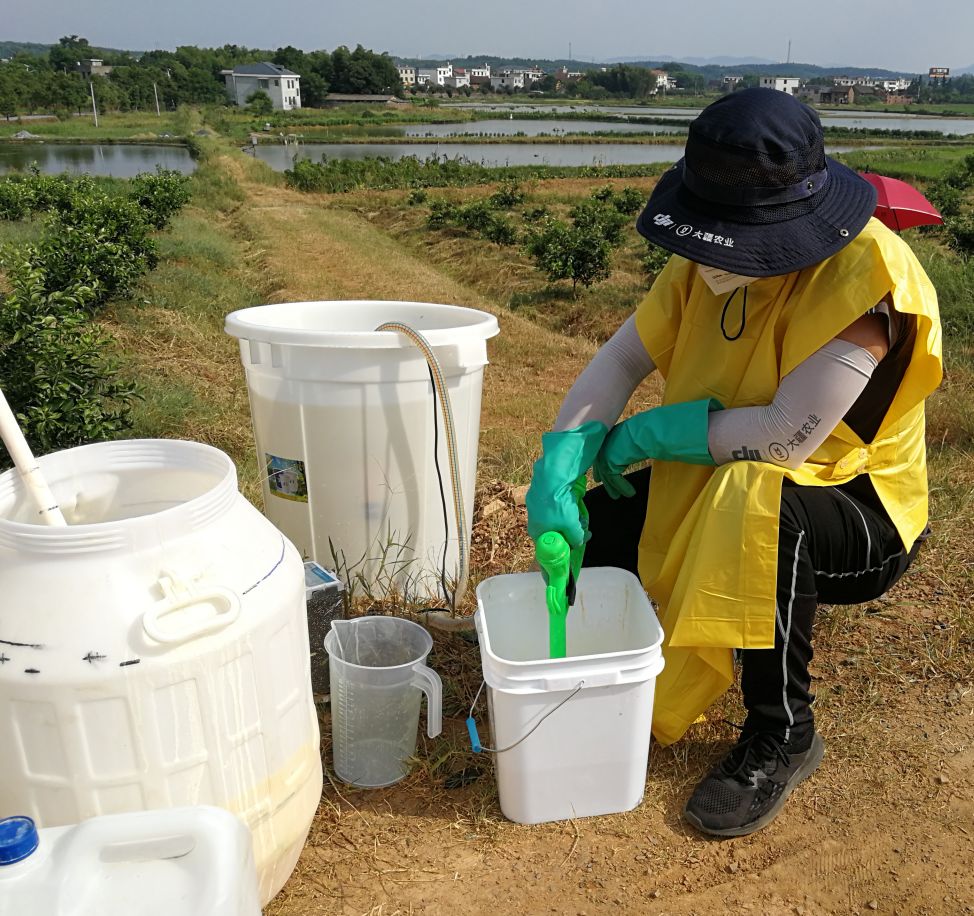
[565, 456]
[676, 432]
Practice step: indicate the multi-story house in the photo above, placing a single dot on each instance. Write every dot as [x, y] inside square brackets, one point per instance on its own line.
[459, 79]
[664, 81]
[789, 84]
[507, 79]
[281, 84]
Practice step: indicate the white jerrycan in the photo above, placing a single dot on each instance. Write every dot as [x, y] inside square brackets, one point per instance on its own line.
[195, 861]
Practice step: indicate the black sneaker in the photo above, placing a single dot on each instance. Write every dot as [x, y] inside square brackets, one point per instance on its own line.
[748, 788]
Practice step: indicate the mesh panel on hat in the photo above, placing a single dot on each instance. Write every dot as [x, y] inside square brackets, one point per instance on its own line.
[735, 167]
[752, 216]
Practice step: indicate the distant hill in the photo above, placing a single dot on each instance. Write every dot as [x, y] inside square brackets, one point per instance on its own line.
[805, 71]
[711, 70]
[709, 67]
[696, 61]
[10, 48]
[969, 69]
[476, 60]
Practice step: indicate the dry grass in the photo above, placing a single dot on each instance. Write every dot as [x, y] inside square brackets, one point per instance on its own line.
[894, 678]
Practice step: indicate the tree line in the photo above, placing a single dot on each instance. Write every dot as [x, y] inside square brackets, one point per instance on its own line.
[53, 82]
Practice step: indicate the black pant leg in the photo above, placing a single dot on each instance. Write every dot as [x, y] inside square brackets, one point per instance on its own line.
[775, 682]
[832, 547]
[617, 524]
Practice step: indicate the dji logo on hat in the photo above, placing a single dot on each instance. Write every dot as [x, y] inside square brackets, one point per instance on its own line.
[663, 219]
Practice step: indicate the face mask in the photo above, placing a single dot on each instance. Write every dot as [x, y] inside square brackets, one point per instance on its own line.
[722, 281]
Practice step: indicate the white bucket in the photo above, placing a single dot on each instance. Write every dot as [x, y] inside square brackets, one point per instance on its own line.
[177, 862]
[155, 651]
[589, 756]
[345, 426]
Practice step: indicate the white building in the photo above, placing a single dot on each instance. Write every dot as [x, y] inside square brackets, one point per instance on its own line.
[407, 75]
[531, 74]
[435, 75]
[281, 84]
[663, 80]
[482, 72]
[897, 85]
[507, 79]
[854, 81]
[789, 84]
[458, 80]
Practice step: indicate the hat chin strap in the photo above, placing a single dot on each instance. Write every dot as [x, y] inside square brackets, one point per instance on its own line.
[750, 196]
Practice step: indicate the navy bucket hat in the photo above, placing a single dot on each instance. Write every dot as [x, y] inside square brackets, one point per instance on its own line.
[754, 193]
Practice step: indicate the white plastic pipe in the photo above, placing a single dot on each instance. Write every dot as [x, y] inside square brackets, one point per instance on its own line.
[26, 464]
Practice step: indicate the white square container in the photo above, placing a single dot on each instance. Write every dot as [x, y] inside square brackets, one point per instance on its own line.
[589, 756]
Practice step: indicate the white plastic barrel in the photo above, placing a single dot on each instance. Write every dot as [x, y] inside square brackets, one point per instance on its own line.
[193, 861]
[586, 717]
[155, 652]
[345, 425]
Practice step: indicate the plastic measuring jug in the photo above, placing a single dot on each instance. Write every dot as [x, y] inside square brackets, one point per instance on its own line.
[378, 675]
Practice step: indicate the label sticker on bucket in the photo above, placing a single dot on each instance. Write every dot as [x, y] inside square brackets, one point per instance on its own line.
[286, 478]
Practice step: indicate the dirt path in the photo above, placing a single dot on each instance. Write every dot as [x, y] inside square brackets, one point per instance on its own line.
[885, 826]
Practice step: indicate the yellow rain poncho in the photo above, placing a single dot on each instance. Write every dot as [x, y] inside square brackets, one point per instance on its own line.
[708, 552]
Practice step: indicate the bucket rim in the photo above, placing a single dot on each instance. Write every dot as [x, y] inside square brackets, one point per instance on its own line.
[566, 662]
[546, 674]
[251, 324]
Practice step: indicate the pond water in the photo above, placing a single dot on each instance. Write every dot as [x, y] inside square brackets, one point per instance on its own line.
[491, 154]
[530, 128]
[877, 120]
[119, 160]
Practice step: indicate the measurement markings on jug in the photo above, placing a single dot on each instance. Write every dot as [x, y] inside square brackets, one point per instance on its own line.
[31, 671]
[3, 659]
[21, 645]
[93, 657]
[131, 661]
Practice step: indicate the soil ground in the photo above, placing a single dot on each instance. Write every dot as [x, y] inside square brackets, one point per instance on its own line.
[886, 825]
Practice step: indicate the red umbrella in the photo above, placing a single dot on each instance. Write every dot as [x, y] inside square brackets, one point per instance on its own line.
[900, 205]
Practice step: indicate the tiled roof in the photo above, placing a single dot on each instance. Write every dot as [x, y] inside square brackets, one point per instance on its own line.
[264, 68]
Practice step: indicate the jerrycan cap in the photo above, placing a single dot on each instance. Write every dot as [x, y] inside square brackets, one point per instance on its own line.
[18, 839]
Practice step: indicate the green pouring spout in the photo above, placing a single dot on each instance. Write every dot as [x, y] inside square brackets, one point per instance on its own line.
[560, 566]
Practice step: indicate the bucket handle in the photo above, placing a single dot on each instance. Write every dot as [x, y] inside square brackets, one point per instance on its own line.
[427, 680]
[227, 605]
[478, 748]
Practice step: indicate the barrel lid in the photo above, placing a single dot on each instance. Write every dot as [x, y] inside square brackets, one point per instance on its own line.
[18, 839]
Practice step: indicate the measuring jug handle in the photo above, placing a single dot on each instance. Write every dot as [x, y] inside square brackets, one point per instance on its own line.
[427, 680]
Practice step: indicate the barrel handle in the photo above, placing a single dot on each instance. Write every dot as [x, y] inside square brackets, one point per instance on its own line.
[227, 611]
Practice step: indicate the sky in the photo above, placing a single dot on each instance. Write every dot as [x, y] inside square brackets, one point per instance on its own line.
[892, 34]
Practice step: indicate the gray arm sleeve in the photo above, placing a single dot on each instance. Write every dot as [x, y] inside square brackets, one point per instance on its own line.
[809, 403]
[603, 389]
